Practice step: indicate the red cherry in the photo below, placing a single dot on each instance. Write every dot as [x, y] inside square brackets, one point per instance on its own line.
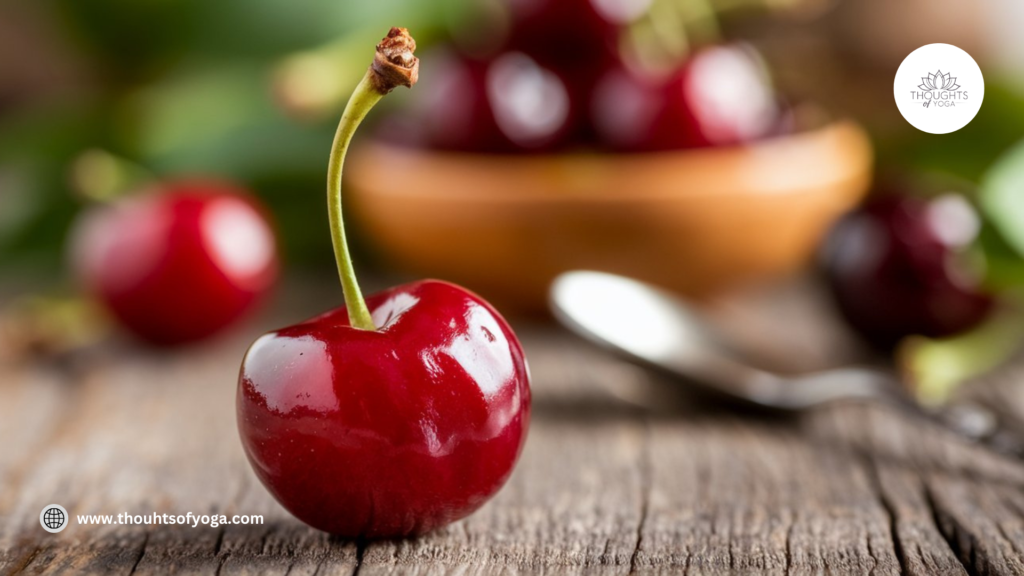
[562, 33]
[577, 39]
[391, 432]
[893, 269]
[570, 33]
[389, 416]
[507, 104]
[178, 263]
[721, 96]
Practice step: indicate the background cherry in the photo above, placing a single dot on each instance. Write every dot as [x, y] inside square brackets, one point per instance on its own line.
[570, 33]
[179, 262]
[720, 96]
[894, 271]
[532, 94]
[577, 38]
[508, 103]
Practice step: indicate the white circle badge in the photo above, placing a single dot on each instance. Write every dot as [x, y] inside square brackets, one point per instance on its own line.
[939, 88]
[53, 518]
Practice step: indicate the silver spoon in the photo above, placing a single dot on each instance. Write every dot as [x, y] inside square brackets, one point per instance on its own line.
[659, 330]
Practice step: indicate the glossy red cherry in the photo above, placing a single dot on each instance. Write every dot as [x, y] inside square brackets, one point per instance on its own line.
[179, 262]
[389, 432]
[721, 96]
[894, 270]
[506, 104]
[394, 415]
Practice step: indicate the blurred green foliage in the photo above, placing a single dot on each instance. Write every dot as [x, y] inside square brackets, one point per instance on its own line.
[183, 88]
[968, 152]
[1002, 196]
[141, 39]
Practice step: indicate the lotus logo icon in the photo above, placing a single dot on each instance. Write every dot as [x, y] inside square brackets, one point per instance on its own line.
[939, 81]
[939, 88]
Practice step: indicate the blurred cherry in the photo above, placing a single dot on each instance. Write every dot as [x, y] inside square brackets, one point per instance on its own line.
[894, 270]
[721, 96]
[507, 104]
[579, 39]
[179, 262]
[570, 32]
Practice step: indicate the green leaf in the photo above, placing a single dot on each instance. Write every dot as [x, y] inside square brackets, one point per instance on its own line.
[936, 369]
[1002, 197]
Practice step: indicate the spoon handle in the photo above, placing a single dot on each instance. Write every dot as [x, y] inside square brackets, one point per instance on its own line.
[984, 425]
[971, 421]
[974, 421]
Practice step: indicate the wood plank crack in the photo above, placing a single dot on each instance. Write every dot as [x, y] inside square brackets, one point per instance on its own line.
[142, 554]
[789, 544]
[954, 537]
[645, 466]
[890, 508]
[361, 546]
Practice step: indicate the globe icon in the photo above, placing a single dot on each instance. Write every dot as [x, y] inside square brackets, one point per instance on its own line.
[53, 518]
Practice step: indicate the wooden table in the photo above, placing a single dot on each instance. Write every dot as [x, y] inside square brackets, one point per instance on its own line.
[604, 485]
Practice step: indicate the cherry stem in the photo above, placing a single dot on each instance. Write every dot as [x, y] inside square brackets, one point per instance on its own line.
[393, 65]
[362, 100]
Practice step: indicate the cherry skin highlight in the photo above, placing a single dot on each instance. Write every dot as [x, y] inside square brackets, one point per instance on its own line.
[179, 262]
[721, 96]
[506, 104]
[893, 271]
[389, 432]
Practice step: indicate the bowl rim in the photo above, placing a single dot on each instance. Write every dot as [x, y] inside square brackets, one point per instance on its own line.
[813, 161]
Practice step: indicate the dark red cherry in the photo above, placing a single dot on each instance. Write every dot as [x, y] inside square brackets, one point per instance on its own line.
[570, 33]
[507, 104]
[579, 39]
[721, 96]
[179, 262]
[393, 431]
[894, 269]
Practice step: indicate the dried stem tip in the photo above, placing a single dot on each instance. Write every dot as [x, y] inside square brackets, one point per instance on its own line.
[394, 64]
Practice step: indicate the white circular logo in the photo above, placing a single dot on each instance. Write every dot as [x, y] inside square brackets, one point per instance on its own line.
[939, 88]
[53, 518]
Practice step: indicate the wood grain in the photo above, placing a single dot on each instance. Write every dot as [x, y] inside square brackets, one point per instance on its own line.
[605, 485]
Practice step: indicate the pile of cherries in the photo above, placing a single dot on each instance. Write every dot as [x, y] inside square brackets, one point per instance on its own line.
[559, 81]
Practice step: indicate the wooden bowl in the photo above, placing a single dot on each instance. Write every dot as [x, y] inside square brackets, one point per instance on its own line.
[695, 221]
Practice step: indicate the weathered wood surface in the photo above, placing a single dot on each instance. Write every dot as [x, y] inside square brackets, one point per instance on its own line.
[604, 486]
